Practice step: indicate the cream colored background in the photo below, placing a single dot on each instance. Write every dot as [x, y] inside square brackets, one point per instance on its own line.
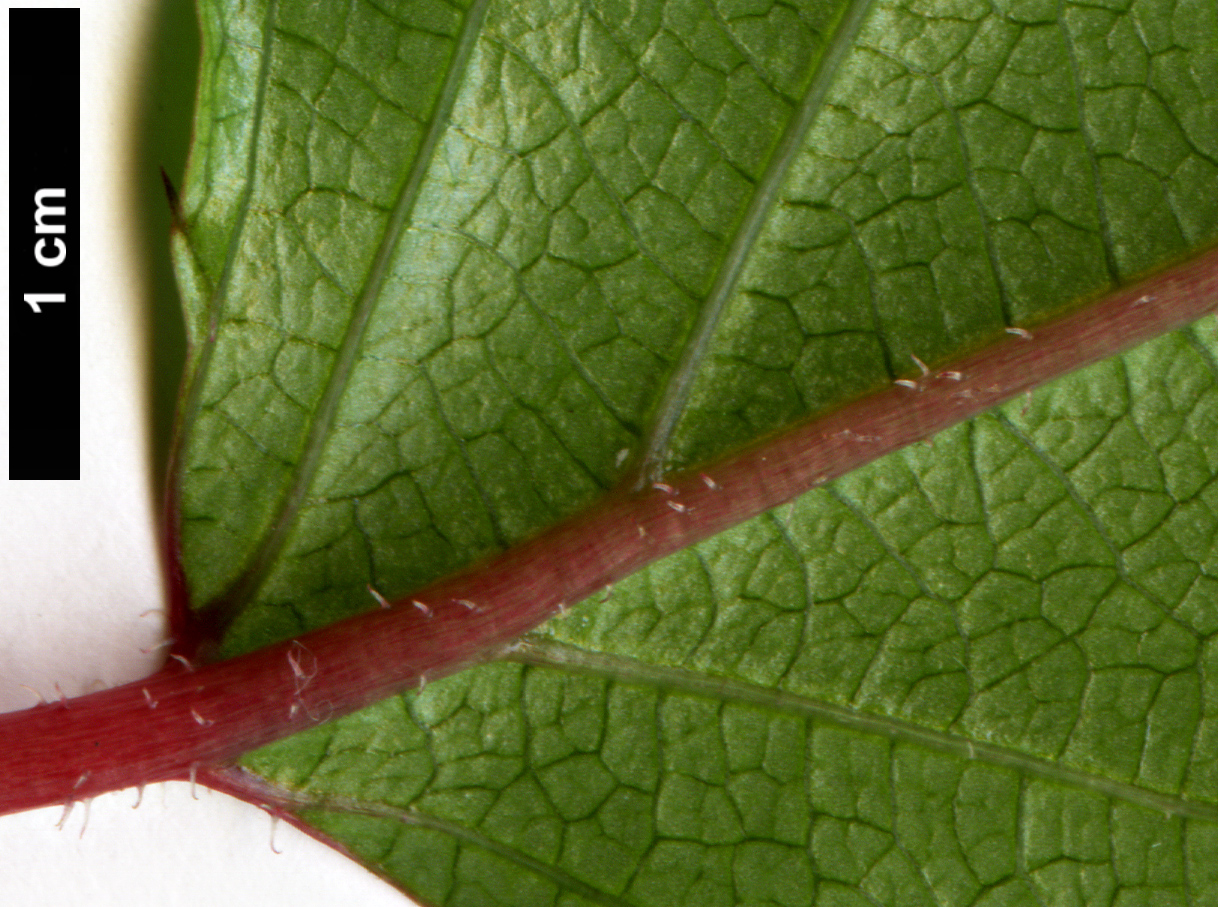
[79, 572]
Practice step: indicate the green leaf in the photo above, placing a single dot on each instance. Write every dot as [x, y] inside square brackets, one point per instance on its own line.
[445, 263]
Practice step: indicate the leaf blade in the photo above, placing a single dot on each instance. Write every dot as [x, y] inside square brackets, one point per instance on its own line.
[486, 398]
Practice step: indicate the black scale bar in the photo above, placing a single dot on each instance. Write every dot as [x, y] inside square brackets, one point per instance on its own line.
[44, 244]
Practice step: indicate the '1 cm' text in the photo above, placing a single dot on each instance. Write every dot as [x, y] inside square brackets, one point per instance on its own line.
[48, 253]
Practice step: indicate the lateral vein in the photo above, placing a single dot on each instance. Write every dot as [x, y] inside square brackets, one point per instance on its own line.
[546, 653]
[244, 587]
[676, 391]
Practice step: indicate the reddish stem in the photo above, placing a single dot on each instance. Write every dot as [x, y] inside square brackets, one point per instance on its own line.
[159, 728]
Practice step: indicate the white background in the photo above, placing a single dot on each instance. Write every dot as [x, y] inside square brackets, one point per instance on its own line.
[80, 575]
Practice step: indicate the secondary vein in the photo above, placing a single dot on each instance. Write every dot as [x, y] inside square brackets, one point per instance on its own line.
[569, 658]
[268, 794]
[211, 317]
[676, 391]
[265, 554]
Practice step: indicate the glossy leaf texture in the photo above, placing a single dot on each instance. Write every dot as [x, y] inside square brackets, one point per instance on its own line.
[453, 271]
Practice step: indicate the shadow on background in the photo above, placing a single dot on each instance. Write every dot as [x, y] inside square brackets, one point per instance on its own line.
[164, 112]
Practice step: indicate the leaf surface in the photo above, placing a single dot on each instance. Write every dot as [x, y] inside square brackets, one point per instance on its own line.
[454, 271]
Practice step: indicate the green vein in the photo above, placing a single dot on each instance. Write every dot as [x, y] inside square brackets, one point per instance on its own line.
[544, 317]
[676, 391]
[1080, 100]
[564, 881]
[266, 552]
[567, 658]
[1084, 506]
[970, 180]
[1193, 339]
[577, 133]
[868, 522]
[207, 344]
[437, 401]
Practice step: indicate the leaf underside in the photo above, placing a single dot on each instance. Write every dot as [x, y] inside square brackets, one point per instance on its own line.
[453, 271]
